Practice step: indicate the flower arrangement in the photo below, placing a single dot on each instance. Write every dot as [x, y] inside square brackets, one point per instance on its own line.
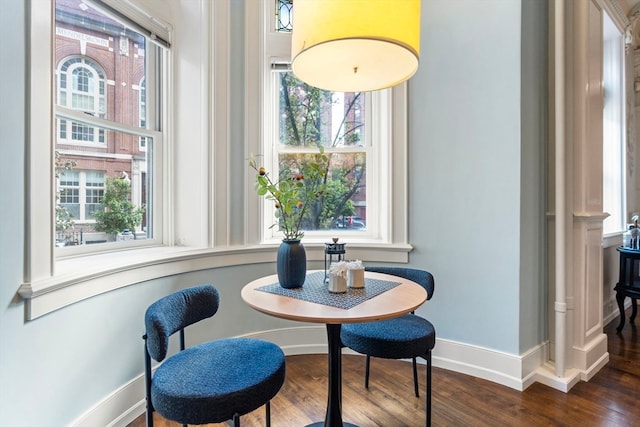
[294, 193]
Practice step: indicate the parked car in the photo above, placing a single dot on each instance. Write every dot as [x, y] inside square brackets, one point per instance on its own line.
[350, 223]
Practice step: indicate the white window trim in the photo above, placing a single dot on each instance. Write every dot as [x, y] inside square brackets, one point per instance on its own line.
[142, 88]
[614, 137]
[49, 277]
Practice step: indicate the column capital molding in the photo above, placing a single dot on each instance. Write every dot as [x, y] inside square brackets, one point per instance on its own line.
[590, 216]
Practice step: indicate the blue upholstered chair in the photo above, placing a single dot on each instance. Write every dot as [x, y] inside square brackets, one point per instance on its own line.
[408, 336]
[210, 382]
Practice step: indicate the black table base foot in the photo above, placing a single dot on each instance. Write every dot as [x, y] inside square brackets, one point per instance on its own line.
[321, 424]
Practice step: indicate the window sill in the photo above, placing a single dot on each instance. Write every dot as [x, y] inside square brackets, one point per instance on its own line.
[611, 240]
[80, 278]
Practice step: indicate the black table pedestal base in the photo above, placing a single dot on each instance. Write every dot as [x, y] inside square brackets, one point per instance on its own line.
[334, 402]
[322, 424]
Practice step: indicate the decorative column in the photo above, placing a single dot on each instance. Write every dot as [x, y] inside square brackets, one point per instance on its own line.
[578, 346]
[589, 343]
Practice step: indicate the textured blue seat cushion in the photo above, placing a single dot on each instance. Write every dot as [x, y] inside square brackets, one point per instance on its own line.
[403, 337]
[210, 382]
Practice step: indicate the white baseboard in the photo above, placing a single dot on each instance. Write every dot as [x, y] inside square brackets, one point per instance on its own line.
[119, 409]
[517, 372]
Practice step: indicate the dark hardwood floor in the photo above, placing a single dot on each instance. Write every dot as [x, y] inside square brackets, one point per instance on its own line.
[611, 398]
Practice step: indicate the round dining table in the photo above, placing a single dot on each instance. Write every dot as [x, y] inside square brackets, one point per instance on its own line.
[402, 297]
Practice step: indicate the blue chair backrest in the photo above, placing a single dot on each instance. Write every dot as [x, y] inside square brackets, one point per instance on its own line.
[175, 312]
[421, 277]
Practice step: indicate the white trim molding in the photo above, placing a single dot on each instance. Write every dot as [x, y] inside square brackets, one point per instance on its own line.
[77, 279]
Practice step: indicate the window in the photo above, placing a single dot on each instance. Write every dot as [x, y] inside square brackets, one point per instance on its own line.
[193, 217]
[102, 64]
[283, 16]
[81, 86]
[142, 110]
[366, 202]
[309, 118]
[85, 61]
[613, 129]
[81, 193]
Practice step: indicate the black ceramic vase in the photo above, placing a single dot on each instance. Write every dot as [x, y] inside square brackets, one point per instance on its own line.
[291, 264]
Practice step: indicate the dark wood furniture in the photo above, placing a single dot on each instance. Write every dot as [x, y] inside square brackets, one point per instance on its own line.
[628, 283]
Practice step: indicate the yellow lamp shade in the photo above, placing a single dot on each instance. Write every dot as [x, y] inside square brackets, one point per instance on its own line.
[355, 45]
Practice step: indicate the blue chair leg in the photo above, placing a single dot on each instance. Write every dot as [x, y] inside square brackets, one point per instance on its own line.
[415, 378]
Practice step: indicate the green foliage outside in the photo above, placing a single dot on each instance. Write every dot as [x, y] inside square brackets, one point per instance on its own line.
[119, 212]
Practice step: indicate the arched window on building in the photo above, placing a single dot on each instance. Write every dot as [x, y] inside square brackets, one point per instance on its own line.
[81, 85]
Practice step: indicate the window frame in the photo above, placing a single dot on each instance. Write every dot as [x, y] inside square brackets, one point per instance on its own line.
[614, 136]
[142, 110]
[50, 271]
[157, 60]
[390, 131]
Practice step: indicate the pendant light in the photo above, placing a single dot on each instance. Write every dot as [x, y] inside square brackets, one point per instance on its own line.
[355, 45]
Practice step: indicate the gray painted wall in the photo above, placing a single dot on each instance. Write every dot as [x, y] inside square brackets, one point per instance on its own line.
[466, 172]
[533, 114]
[465, 164]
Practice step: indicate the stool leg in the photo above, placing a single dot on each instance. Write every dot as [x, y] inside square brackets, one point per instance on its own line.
[634, 310]
[429, 389]
[236, 420]
[268, 413]
[415, 378]
[366, 371]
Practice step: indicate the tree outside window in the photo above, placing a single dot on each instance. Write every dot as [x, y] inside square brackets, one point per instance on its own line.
[312, 118]
[117, 213]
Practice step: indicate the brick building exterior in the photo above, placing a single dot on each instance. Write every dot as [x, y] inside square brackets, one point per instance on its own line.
[100, 71]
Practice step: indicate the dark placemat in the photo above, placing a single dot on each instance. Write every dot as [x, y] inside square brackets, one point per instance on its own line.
[315, 290]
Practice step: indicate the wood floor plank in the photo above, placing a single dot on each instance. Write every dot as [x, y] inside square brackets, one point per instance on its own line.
[610, 399]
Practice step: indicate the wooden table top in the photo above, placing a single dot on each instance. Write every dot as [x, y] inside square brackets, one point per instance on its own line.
[395, 302]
